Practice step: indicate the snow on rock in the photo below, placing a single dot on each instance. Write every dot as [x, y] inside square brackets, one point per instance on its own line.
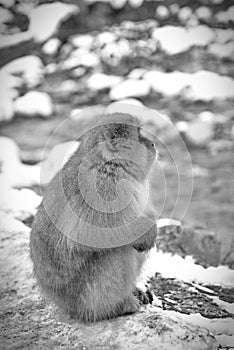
[100, 81]
[225, 16]
[185, 269]
[120, 106]
[204, 13]
[178, 39]
[114, 51]
[223, 50]
[30, 67]
[51, 46]
[45, 19]
[135, 3]
[208, 86]
[79, 40]
[55, 160]
[34, 103]
[13, 172]
[130, 88]
[21, 204]
[14, 39]
[8, 91]
[137, 73]
[167, 83]
[83, 57]
[5, 16]
[222, 329]
[118, 4]
[202, 85]
[162, 12]
[105, 38]
[201, 130]
[12, 225]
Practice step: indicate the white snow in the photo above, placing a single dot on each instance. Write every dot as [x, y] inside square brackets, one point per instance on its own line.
[167, 83]
[5, 15]
[84, 40]
[105, 38]
[174, 39]
[45, 19]
[174, 266]
[137, 73]
[99, 81]
[13, 172]
[130, 88]
[34, 103]
[21, 204]
[202, 85]
[12, 225]
[8, 91]
[51, 46]
[82, 56]
[55, 160]
[30, 67]
[118, 4]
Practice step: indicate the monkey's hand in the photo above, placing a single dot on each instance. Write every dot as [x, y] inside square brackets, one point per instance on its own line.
[147, 241]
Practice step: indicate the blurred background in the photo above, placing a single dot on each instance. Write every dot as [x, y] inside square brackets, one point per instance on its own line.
[176, 57]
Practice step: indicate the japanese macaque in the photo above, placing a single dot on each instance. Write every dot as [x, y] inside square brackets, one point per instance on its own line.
[96, 223]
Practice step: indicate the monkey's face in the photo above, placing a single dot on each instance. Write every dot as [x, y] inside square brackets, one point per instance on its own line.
[122, 142]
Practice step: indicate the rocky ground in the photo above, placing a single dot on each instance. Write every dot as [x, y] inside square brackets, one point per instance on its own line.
[176, 59]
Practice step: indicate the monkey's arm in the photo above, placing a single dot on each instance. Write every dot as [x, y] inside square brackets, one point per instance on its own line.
[147, 241]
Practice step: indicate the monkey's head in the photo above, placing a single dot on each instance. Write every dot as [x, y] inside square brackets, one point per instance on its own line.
[120, 139]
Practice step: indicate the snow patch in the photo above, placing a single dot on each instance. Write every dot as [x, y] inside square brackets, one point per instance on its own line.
[99, 81]
[130, 88]
[51, 46]
[45, 19]
[34, 103]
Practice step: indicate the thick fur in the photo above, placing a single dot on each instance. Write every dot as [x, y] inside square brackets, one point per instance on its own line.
[92, 284]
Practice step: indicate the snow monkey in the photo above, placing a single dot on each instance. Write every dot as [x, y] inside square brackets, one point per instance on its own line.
[94, 278]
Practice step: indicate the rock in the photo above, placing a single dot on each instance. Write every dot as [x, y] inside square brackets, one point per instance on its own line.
[51, 47]
[52, 14]
[34, 103]
[100, 81]
[30, 67]
[66, 87]
[21, 204]
[204, 13]
[55, 160]
[130, 88]
[7, 3]
[85, 40]
[162, 12]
